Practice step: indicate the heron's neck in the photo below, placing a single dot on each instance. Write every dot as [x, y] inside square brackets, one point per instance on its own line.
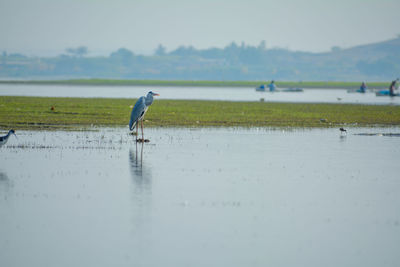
[149, 100]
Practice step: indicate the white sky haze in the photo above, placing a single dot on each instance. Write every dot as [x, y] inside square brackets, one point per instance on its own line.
[48, 27]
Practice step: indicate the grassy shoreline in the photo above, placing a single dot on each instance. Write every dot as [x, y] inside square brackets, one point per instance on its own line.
[69, 113]
[283, 84]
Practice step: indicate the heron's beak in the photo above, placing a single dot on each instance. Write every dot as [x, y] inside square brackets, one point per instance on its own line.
[15, 135]
[156, 94]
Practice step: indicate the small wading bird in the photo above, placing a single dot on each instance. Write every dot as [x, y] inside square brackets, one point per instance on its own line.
[138, 112]
[3, 139]
[343, 130]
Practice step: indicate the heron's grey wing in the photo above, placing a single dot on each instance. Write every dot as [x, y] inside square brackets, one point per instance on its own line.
[137, 112]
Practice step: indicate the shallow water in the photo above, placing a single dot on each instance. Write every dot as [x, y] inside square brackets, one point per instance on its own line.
[198, 93]
[201, 197]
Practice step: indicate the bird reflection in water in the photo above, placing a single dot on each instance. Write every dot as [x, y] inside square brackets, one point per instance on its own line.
[5, 183]
[141, 209]
[141, 175]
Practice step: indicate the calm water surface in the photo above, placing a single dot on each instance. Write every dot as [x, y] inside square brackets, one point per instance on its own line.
[200, 197]
[199, 93]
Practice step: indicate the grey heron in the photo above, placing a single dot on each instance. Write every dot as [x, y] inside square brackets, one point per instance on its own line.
[4, 139]
[138, 112]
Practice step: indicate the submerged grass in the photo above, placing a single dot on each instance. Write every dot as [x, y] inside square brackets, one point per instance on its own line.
[65, 113]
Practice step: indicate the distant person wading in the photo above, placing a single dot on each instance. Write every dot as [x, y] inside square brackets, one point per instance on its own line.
[363, 87]
[272, 86]
[393, 87]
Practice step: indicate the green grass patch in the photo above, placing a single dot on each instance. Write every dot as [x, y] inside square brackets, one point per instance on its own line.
[54, 113]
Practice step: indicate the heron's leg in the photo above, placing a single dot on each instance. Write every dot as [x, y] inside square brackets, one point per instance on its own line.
[142, 131]
[136, 131]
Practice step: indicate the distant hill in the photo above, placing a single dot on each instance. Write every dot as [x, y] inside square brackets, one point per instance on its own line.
[371, 52]
[370, 62]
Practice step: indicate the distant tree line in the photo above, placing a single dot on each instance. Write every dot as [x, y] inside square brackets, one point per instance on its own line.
[378, 62]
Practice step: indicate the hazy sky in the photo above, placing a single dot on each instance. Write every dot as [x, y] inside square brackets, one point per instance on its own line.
[48, 27]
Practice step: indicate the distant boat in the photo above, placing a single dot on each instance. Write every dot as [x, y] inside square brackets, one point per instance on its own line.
[356, 91]
[261, 88]
[291, 90]
[385, 93]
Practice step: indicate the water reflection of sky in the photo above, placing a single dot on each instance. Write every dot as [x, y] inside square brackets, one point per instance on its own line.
[198, 93]
[200, 197]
